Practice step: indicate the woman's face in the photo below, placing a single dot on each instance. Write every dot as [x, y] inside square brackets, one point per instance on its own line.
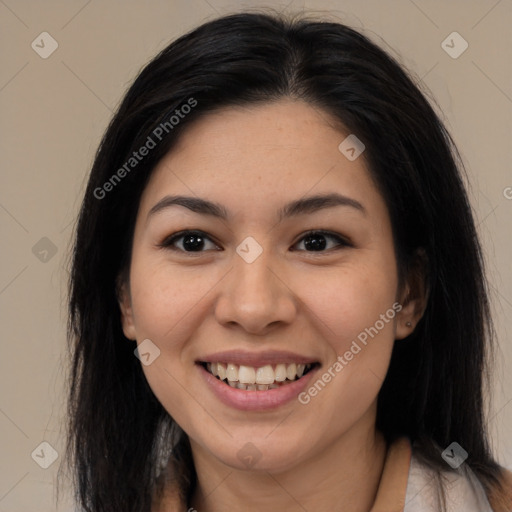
[253, 290]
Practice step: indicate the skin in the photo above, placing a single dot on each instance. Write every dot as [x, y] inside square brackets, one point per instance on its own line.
[253, 160]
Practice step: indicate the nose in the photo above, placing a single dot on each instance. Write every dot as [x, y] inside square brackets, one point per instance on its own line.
[255, 296]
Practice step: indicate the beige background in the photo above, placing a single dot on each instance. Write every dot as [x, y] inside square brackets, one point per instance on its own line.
[54, 110]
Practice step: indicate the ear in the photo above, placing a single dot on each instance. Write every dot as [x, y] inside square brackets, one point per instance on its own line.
[125, 305]
[414, 296]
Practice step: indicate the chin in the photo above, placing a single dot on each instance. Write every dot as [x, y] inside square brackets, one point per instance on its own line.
[260, 453]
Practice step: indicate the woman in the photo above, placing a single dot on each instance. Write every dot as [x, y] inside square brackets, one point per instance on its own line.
[277, 298]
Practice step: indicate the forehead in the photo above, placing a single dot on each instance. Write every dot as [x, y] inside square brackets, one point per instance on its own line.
[259, 157]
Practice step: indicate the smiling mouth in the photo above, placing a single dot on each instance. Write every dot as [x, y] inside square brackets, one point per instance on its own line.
[263, 378]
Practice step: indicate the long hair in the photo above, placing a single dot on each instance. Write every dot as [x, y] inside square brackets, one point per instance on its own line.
[433, 391]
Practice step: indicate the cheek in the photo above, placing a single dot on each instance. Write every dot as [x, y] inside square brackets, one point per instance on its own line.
[166, 305]
[349, 302]
[356, 312]
[165, 300]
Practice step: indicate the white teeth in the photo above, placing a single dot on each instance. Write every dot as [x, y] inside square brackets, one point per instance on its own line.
[291, 371]
[261, 379]
[232, 372]
[280, 372]
[221, 371]
[265, 375]
[247, 375]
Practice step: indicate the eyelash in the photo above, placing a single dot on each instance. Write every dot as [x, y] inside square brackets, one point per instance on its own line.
[170, 240]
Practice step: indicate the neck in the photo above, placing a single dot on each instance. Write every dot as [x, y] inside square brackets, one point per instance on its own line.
[347, 472]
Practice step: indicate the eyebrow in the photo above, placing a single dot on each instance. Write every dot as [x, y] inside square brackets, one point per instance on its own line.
[300, 206]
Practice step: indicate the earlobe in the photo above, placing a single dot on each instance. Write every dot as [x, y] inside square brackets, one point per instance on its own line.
[414, 297]
[407, 318]
[125, 306]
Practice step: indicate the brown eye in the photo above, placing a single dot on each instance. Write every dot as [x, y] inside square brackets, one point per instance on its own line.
[315, 241]
[191, 241]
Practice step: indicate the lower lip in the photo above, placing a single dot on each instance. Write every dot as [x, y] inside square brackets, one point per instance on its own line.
[256, 400]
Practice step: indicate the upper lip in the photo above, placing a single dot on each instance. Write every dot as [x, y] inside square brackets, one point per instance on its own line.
[256, 359]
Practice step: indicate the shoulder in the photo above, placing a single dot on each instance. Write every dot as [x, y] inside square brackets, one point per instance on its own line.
[461, 488]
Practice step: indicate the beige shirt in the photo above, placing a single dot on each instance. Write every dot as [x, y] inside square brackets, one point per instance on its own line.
[463, 490]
